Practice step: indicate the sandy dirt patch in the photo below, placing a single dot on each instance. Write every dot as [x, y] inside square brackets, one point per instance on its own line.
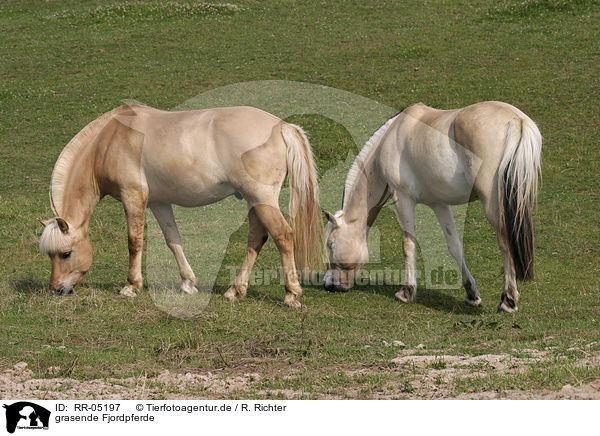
[432, 376]
[18, 382]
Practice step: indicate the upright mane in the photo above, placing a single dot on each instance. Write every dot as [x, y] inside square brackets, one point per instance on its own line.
[357, 166]
[65, 160]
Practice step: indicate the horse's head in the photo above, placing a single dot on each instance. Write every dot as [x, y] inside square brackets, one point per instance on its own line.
[70, 251]
[347, 250]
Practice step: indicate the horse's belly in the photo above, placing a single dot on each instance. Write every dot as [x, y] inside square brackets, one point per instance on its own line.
[429, 183]
[442, 181]
[454, 191]
[190, 194]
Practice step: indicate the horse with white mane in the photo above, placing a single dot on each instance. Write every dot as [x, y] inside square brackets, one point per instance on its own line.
[145, 157]
[490, 151]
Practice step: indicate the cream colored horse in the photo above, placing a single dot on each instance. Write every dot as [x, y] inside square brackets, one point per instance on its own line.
[489, 150]
[145, 157]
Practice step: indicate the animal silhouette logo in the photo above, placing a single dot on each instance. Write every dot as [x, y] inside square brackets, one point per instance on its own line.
[26, 415]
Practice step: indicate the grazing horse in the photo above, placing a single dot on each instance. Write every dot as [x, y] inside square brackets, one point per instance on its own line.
[146, 157]
[490, 151]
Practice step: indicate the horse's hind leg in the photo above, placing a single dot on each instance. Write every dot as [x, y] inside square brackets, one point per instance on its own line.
[446, 220]
[405, 209]
[257, 236]
[164, 215]
[283, 236]
[510, 295]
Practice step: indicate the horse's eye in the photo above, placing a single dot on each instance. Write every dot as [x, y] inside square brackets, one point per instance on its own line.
[66, 254]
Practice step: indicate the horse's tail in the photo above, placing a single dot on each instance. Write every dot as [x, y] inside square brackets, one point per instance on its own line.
[304, 208]
[517, 191]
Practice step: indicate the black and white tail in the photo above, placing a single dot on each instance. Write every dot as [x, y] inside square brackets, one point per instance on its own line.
[518, 184]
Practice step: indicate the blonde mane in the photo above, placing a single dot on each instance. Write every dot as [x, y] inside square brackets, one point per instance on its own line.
[358, 165]
[53, 239]
[67, 157]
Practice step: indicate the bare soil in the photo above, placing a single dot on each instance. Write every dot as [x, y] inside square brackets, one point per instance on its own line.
[433, 377]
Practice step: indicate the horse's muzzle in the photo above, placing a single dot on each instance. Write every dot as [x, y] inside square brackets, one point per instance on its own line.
[64, 291]
[332, 287]
[331, 283]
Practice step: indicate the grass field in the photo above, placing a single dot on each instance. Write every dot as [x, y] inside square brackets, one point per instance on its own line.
[64, 63]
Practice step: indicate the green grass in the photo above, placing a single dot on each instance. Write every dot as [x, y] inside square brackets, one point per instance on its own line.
[136, 11]
[65, 63]
[539, 9]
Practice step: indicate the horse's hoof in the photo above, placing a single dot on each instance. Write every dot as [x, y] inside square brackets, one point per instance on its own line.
[506, 308]
[292, 302]
[473, 303]
[128, 291]
[407, 294]
[188, 288]
[401, 297]
[507, 304]
[232, 295]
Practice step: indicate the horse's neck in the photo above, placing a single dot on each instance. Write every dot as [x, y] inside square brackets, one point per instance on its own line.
[367, 194]
[81, 193]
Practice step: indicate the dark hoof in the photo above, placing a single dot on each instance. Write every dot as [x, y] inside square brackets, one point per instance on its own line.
[407, 294]
[507, 305]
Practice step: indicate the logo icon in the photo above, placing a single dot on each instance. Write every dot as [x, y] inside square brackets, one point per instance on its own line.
[26, 415]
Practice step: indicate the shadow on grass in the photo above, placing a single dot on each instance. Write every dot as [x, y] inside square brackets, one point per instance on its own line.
[28, 286]
[104, 286]
[444, 302]
[254, 293]
[431, 298]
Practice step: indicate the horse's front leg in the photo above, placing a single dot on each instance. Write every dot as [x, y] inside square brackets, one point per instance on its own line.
[446, 219]
[135, 205]
[164, 215]
[257, 236]
[405, 209]
[283, 236]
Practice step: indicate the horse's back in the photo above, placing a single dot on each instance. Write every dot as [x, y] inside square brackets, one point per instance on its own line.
[419, 157]
[475, 132]
[196, 157]
[242, 126]
[481, 127]
[437, 155]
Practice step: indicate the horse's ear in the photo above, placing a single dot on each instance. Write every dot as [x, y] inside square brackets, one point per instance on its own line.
[331, 218]
[62, 225]
[43, 222]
